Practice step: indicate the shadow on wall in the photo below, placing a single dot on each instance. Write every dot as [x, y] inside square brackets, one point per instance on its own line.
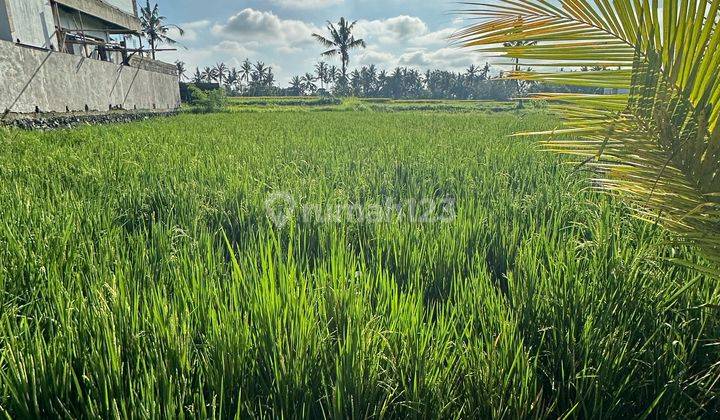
[47, 81]
[25, 87]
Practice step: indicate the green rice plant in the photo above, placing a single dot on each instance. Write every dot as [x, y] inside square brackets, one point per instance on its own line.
[142, 276]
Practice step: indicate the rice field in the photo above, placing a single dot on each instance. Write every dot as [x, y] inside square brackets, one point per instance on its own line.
[294, 261]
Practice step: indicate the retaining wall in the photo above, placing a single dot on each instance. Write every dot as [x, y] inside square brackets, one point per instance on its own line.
[48, 81]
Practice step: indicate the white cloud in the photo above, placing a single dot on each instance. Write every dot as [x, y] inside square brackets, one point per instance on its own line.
[444, 59]
[440, 37]
[229, 52]
[375, 56]
[306, 4]
[285, 50]
[191, 30]
[265, 27]
[393, 30]
[233, 47]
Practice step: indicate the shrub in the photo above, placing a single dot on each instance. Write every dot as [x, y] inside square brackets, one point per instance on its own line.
[196, 95]
[207, 102]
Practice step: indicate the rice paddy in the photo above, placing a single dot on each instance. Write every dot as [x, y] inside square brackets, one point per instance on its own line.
[387, 261]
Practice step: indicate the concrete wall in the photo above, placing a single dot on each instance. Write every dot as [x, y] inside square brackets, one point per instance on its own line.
[5, 33]
[56, 82]
[124, 5]
[92, 26]
[31, 22]
[124, 17]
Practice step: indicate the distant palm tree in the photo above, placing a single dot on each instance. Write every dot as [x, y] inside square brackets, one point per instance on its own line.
[308, 83]
[220, 70]
[181, 70]
[197, 76]
[259, 72]
[208, 74]
[521, 86]
[154, 27]
[340, 43]
[296, 86]
[269, 79]
[246, 70]
[233, 78]
[333, 74]
[485, 72]
[427, 77]
[472, 72]
[356, 83]
[368, 76]
[321, 70]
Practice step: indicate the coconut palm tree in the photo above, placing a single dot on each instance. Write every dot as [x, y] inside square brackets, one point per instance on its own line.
[368, 77]
[356, 83]
[154, 27]
[333, 74]
[269, 79]
[259, 72]
[296, 86]
[180, 65]
[321, 70]
[220, 70]
[233, 79]
[382, 82]
[197, 76]
[521, 86]
[658, 144]
[308, 83]
[340, 42]
[246, 72]
[208, 74]
[472, 72]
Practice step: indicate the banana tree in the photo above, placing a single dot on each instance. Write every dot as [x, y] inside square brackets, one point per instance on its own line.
[655, 140]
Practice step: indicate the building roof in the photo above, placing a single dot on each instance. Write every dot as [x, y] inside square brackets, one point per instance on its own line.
[105, 11]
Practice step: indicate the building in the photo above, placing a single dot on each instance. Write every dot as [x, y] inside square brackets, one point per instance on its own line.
[79, 55]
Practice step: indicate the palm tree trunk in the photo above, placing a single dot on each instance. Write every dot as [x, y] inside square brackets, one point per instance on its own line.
[520, 104]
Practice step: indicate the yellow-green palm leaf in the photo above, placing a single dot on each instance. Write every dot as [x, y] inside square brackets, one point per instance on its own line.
[659, 144]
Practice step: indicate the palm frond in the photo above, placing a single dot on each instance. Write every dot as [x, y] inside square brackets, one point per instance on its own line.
[357, 43]
[324, 41]
[659, 144]
[330, 53]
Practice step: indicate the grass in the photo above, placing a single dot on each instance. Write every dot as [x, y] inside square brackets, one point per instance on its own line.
[140, 276]
[312, 103]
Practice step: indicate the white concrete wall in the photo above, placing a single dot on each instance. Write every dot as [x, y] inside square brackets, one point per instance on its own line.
[32, 22]
[5, 33]
[124, 5]
[56, 82]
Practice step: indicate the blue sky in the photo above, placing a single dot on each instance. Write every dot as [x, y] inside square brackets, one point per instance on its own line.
[409, 33]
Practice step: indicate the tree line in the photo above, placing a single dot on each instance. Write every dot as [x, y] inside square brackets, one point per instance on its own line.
[257, 79]
[475, 83]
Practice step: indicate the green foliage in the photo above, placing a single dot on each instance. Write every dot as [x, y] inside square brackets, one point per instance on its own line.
[140, 277]
[154, 27]
[657, 144]
[196, 95]
[304, 101]
[331, 104]
[207, 101]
